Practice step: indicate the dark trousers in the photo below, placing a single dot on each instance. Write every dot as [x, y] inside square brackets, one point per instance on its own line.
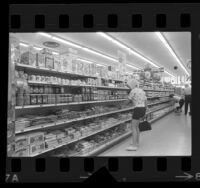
[187, 102]
[181, 103]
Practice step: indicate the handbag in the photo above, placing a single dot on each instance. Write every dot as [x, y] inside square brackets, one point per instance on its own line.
[144, 125]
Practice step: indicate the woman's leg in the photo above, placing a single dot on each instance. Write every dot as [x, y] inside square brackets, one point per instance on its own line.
[133, 146]
[134, 132]
[138, 133]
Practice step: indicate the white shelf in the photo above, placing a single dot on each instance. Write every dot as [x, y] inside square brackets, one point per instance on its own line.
[158, 102]
[101, 147]
[158, 90]
[75, 140]
[63, 122]
[66, 104]
[65, 85]
[53, 71]
[104, 146]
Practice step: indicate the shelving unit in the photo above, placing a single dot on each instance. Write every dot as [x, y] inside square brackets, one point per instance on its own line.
[114, 141]
[75, 140]
[66, 104]
[65, 122]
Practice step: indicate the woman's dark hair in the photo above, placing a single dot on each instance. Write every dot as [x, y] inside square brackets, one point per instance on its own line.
[171, 95]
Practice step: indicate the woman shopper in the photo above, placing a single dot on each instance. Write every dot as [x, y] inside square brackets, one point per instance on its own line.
[187, 93]
[139, 100]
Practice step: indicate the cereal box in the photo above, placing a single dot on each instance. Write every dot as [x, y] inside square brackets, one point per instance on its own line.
[36, 148]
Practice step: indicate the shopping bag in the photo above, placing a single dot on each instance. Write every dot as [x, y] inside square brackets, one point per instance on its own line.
[144, 125]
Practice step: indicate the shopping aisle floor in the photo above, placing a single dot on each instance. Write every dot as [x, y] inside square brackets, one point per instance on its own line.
[170, 136]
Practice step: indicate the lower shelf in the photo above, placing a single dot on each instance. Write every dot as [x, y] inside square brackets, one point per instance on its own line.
[108, 145]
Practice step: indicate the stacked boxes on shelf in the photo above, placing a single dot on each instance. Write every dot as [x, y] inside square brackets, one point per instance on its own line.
[30, 144]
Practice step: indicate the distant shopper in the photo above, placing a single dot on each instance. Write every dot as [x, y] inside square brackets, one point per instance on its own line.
[187, 93]
[139, 100]
[179, 102]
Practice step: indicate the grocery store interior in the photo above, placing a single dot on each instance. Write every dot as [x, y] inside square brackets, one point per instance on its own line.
[67, 93]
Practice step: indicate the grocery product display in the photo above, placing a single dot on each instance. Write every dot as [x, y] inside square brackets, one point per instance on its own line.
[65, 106]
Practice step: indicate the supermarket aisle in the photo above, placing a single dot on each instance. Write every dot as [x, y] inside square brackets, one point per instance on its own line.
[171, 135]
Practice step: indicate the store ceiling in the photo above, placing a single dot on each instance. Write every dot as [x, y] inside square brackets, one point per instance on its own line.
[147, 43]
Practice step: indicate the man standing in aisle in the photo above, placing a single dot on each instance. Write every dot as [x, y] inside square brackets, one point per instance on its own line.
[187, 93]
[139, 100]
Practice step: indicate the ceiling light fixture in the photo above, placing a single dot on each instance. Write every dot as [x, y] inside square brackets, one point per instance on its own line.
[169, 74]
[127, 48]
[66, 42]
[55, 53]
[45, 35]
[99, 54]
[37, 48]
[132, 66]
[164, 41]
[84, 60]
[101, 65]
[90, 62]
[23, 44]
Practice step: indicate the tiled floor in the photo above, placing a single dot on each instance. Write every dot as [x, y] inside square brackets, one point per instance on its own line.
[170, 136]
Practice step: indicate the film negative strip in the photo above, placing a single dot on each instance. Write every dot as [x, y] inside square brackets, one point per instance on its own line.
[59, 20]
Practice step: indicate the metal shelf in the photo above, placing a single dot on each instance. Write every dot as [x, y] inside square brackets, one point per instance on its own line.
[66, 104]
[64, 122]
[75, 140]
[53, 71]
[63, 85]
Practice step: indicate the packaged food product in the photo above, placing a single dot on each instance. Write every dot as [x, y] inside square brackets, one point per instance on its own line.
[26, 99]
[28, 58]
[49, 62]
[74, 64]
[38, 78]
[33, 99]
[41, 89]
[51, 99]
[39, 99]
[35, 138]
[40, 60]
[44, 99]
[36, 148]
[19, 99]
[22, 152]
[57, 63]
[21, 141]
[65, 64]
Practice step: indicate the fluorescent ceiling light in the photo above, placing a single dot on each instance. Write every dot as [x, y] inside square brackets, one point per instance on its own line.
[164, 41]
[83, 60]
[66, 42]
[55, 53]
[127, 48]
[23, 44]
[112, 40]
[45, 35]
[99, 54]
[169, 74]
[87, 61]
[37, 48]
[132, 66]
[101, 65]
